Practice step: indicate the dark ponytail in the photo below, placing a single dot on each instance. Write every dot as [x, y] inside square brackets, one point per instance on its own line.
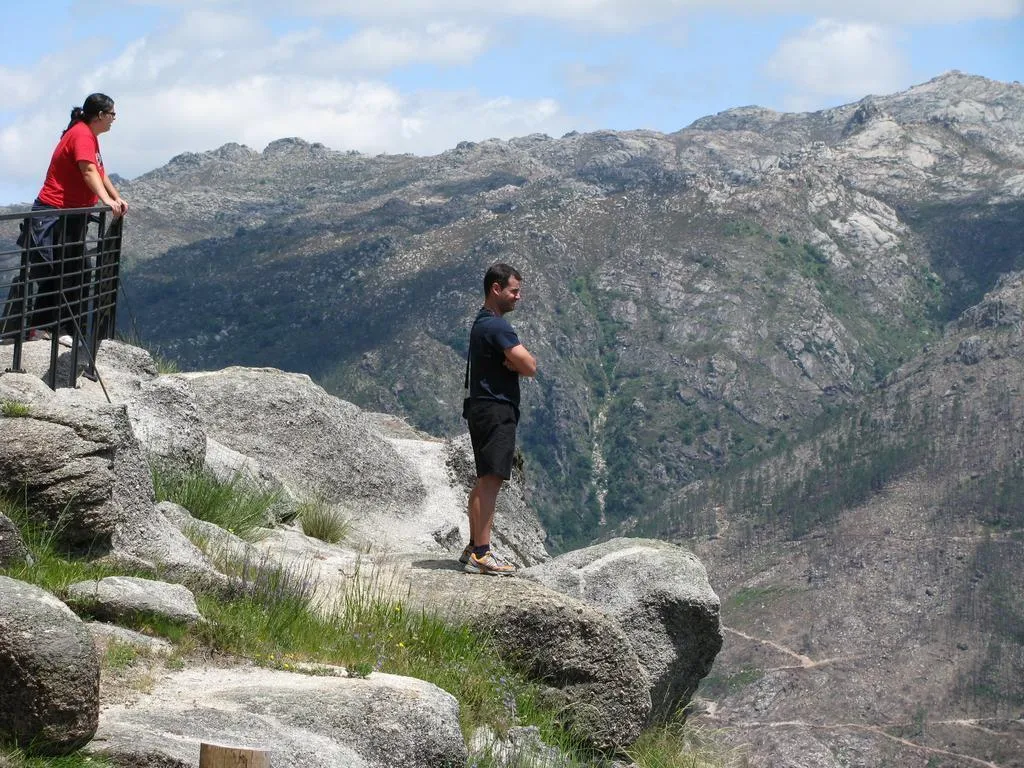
[94, 104]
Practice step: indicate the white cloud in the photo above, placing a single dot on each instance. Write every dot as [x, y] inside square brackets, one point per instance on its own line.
[156, 123]
[835, 60]
[378, 49]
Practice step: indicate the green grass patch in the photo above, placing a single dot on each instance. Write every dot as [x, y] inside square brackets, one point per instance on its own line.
[50, 568]
[323, 521]
[119, 655]
[11, 757]
[14, 409]
[234, 505]
[678, 744]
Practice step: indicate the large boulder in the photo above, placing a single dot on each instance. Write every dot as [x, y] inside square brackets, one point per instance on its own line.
[160, 408]
[76, 463]
[659, 594]
[127, 597]
[305, 721]
[582, 657]
[49, 672]
[315, 445]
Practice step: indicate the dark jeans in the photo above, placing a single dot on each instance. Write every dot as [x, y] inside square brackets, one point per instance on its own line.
[56, 267]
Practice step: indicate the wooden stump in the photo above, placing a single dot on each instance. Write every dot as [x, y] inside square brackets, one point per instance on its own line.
[214, 756]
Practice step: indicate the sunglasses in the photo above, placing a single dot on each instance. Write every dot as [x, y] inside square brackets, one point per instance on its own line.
[110, 112]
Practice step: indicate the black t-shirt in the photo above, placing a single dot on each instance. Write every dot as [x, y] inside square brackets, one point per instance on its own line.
[489, 379]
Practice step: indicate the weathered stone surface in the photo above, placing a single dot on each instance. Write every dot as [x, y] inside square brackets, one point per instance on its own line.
[227, 464]
[117, 597]
[105, 634]
[164, 417]
[581, 655]
[13, 550]
[314, 444]
[520, 747]
[304, 721]
[161, 409]
[76, 463]
[162, 544]
[49, 671]
[659, 594]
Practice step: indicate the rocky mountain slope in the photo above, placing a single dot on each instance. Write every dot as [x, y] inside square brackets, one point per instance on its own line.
[693, 298]
[871, 574]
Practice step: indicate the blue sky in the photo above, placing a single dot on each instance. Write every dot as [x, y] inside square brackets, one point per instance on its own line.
[418, 76]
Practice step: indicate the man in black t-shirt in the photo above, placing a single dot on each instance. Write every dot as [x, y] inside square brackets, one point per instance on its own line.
[496, 361]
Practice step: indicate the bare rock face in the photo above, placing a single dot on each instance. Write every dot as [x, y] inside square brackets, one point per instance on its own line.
[76, 463]
[659, 594]
[583, 657]
[49, 672]
[160, 409]
[160, 545]
[314, 444]
[305, 721]
[119, 597]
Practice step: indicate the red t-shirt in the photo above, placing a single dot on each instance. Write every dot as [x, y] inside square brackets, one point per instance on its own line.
[64, 186]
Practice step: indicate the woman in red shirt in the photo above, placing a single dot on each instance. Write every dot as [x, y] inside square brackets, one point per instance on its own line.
[75, 179]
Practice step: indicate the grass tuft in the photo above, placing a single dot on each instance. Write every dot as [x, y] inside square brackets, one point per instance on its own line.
[50, 567]
[234, 505]
[677, 744]
[323, 521]
[14, 409]
[12, 757]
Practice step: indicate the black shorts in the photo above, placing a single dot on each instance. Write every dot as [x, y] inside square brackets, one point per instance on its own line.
[492, 429]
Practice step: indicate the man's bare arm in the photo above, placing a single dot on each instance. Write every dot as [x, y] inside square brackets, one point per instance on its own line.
[518, 359]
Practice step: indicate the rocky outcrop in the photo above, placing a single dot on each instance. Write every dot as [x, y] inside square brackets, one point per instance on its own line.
[159, 545]
[409, 491]
[659, 594]
[76, 464]
[304, 721]
[128, 597]
[590, 669]
[49, 672]
[312, 443]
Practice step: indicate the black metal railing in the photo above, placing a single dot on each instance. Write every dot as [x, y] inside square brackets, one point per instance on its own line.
[63, 281]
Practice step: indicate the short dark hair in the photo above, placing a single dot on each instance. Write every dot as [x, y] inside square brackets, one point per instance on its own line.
[499, 273]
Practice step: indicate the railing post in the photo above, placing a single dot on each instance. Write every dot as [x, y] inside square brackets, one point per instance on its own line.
[22, 302]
